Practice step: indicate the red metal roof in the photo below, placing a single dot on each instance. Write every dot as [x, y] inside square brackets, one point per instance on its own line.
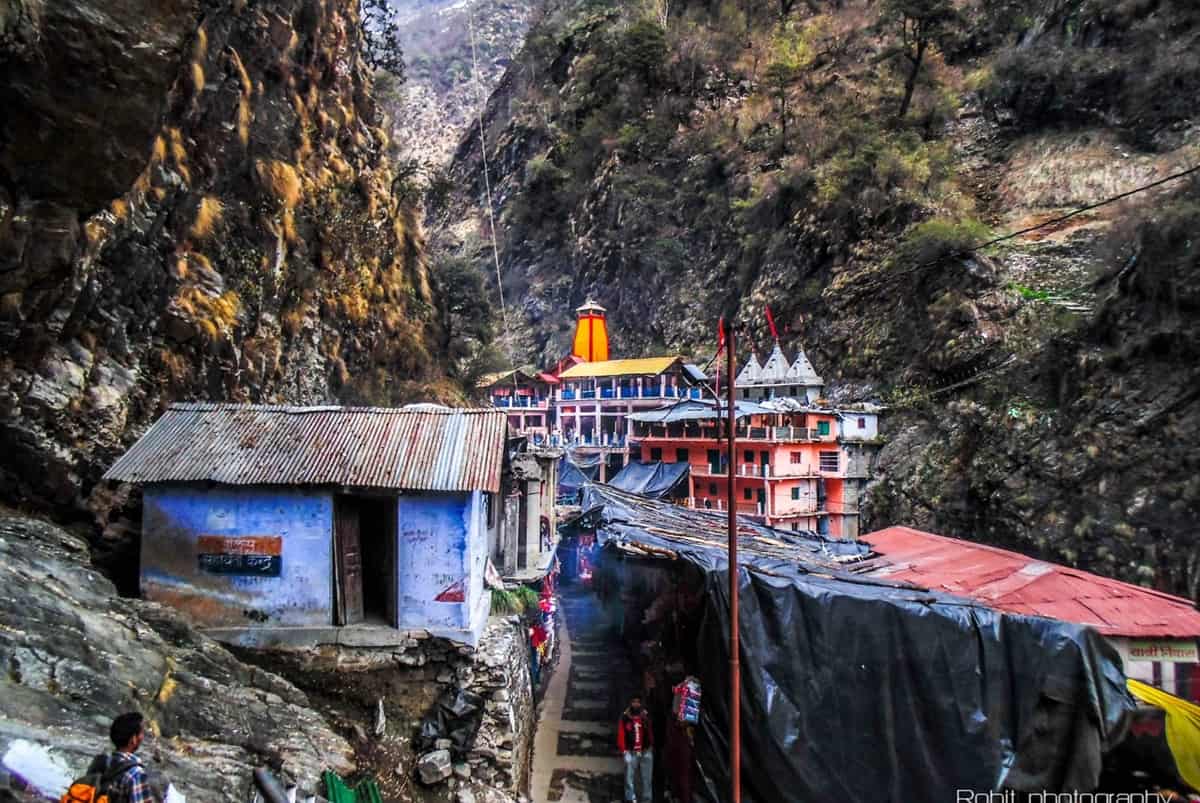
[1016, 583]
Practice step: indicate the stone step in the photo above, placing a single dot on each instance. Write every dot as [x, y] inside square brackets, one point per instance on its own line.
[595, 727]
[586, 744]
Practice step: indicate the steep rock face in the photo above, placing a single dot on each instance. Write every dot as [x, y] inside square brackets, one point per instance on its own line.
[442, 95]
[686, 160]
[90, 138]
[1086, 450]
[194, 203]
[75, 655]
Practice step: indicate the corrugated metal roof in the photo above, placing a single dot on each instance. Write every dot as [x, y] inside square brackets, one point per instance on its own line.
[425, 449]
[1010, 581]
[645, 366]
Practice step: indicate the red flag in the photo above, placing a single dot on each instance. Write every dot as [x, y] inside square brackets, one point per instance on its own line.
[720, 334]
[771, 323]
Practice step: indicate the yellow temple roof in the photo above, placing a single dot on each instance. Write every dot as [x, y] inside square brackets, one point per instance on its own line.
[645, 366]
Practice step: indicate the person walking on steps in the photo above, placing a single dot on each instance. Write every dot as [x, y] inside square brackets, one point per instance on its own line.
[125, 777]
[635, 740]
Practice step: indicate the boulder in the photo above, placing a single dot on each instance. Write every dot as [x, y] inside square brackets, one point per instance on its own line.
[81, 655]
[434, 767]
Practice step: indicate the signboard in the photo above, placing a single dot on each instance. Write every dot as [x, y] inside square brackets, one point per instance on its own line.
[247, 555]
[1174, 651]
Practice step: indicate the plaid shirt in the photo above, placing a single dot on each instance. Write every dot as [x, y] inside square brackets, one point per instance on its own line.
[131, 786]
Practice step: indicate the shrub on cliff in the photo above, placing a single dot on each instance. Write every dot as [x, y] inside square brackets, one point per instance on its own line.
[933, 240]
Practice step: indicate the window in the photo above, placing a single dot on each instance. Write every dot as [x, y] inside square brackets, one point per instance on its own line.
[533, 420]
[862, 423]
[748, 493]
[822, 428]
[749, 457]
[712, 489]
[796, 492]
[829, 461]
[681, 455]
[489, 507]
[655, 455]
[797, 458]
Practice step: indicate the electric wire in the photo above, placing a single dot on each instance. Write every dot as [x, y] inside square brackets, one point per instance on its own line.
[487, 186]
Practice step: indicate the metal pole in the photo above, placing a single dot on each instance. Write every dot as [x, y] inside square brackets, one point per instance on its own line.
[735, 670]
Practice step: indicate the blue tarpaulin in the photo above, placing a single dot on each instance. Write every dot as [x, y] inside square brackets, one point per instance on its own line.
[655, 480]
[571, 478]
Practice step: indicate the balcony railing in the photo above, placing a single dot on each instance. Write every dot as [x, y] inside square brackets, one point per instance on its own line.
[571, 439]
[755, 471]
[743, 508]
[787, 509]
[519, 401]
[629, 393]
[756, 434]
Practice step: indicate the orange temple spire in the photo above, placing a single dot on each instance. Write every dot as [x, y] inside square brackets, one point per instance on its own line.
[591, 333]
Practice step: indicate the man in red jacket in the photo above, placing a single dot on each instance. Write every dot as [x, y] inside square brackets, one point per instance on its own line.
[635, 740]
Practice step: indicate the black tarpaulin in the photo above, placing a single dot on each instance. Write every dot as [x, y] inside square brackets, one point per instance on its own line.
[856, 689]
[655, 480]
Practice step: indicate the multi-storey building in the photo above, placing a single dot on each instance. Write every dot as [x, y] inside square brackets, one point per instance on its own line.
[800, 465]
[583, 403]
[594, 401]
[525, 396]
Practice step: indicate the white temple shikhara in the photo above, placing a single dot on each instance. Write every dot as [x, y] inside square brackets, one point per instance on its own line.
[778, 378]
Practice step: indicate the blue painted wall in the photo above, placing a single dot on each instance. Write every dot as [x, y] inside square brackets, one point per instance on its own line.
[174, 519]
[442, 554]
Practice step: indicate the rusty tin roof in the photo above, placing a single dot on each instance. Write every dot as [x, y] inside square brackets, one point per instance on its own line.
[1010, 581]
[425, 448]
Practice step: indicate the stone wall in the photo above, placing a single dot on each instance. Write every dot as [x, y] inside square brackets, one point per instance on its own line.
[500, 674]
[409, 678]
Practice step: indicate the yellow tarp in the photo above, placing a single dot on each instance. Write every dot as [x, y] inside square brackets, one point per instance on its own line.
[1183, 727]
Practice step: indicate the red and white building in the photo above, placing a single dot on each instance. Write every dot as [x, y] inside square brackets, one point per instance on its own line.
[795, 469]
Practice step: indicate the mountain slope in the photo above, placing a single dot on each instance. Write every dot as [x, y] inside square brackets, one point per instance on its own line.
[677, 161]
[194, 204]
[440, 97]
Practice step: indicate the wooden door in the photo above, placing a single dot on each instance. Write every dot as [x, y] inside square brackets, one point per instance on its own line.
[348, 563]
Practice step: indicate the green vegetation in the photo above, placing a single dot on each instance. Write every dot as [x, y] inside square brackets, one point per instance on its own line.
[517, 601]
[918, 25]
[932, 241]
[1029, 293]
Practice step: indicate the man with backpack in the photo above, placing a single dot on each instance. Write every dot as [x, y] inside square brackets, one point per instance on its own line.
[119, 776]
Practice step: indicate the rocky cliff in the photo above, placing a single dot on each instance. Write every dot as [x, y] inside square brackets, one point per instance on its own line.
[75, 654]
[195, 203]
[839, 161]
[441, 97]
